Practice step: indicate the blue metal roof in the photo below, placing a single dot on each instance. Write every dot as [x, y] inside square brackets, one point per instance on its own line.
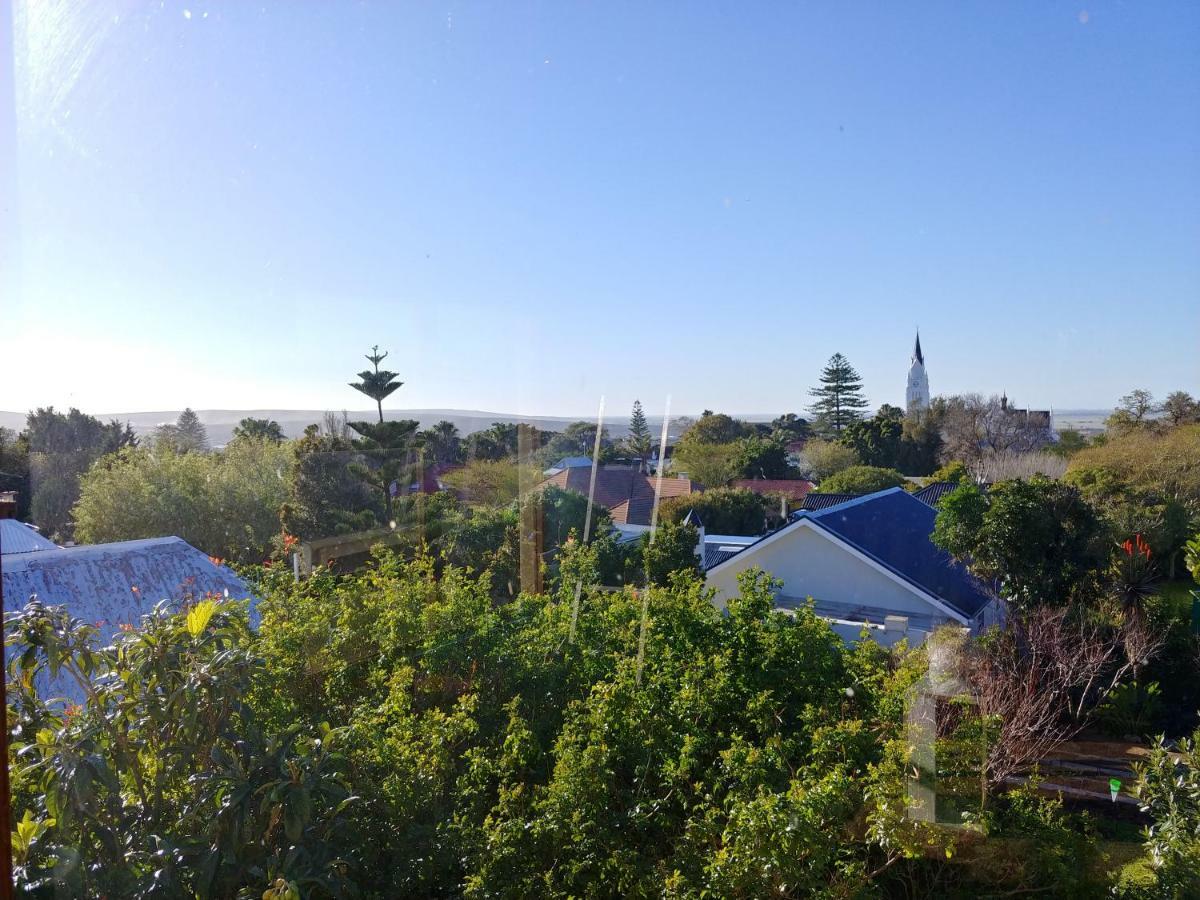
[17, 537]
[116, 584]
[893, 527]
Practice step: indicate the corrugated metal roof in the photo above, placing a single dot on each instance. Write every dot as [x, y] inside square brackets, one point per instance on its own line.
[118, 583]
[814, 500]
[17, 537]
[933, 493]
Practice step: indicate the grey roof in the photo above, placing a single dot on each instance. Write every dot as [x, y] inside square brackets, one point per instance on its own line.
[933, 493]
[814, 500]
[118, 583]
[17, 537]
[917, 354]
[573, 462]
[715, 554]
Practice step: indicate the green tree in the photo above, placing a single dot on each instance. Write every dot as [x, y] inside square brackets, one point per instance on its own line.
[377, 384]
[14, 469]
[639, 443]
[862, 480]
[225, 503]
[838, 399]
[164, 752]
[757, 457]
[715, 428]
[1166, 465]
[723, 511]
[61, 447]
[190, 432]
[955, 472]
[822, 459]
[497, 442]
[921, 441]
[389, 451]
[1133, 411]
[487, 482]
[1070, 441]
[325, 496]
[1168, 789]
[712, 465]
[876, 441]
[443, 445]
[259, 430]
[577, 439]
[789, 427]
[672, 551]
[1180, 408]
[1038, 539]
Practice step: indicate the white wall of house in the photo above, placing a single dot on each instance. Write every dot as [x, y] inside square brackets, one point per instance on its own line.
[811, 564]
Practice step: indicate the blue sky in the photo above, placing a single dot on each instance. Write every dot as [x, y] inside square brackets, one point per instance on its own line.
[533, 204]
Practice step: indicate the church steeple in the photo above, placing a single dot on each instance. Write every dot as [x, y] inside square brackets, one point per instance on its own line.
[917, 395]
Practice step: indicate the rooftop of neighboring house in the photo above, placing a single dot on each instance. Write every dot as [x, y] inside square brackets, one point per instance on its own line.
[625, 492]
[893, 528]
[117, 583]
[815, 500]
[934, 492]
[17, 537]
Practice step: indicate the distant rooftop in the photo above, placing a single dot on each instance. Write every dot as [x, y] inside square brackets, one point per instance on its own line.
[17, 537]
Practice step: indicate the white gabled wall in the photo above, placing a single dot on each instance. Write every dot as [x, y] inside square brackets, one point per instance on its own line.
[812, 564]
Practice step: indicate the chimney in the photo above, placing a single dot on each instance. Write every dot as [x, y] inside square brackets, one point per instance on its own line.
[8, 504]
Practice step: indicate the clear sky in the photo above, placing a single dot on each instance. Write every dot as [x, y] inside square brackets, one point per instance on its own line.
[224, 204]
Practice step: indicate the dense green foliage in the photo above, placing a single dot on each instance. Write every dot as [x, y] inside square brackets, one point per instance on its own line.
[254, 429]
[825, 458]
[225, 502]
[724, 511]
[398, 733]
[1039, 538]
[58, 449]
[862, 480]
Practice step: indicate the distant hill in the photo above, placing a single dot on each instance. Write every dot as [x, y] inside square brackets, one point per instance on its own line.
[221, 422]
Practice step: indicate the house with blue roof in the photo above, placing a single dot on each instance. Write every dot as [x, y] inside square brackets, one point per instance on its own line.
[868, 562]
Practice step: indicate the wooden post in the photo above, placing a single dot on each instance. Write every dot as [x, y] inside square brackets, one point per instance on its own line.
[531, 512]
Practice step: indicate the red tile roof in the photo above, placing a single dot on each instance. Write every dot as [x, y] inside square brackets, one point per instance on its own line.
[626, 493]
[792, 488]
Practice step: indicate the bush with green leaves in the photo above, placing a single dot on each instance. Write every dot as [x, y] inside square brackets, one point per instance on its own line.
[862, 480]
[1168, 789]
[402, 732]
[162, 780]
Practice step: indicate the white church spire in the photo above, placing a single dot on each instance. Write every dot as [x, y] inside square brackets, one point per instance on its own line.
[916, 397]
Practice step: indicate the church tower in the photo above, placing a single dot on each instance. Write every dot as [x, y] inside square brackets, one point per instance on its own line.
[917, 396]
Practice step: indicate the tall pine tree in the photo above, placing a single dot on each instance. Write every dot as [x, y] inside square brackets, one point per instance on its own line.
[838, 399]
[639, 441]
[390, 448]
[376, 384]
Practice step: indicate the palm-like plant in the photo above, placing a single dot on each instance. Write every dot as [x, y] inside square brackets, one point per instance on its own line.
[377, 384]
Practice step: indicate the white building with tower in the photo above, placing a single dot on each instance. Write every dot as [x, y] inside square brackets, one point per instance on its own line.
[916, 397]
